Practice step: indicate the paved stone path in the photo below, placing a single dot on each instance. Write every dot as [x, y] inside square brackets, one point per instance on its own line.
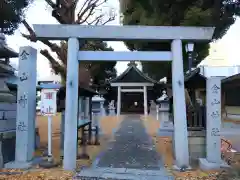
[132, 148]
[131, 155]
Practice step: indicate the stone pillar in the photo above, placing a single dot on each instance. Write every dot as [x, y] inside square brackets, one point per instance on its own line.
[119, 101]
[26, 108]
[179, 103]
[145, 100]
[71, 111]
[213, 160]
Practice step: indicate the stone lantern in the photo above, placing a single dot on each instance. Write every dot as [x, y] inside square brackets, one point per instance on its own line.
[111, 108]
[98, 110]
[7, 103]
[98, 105]
[6, 71]
[166, 126]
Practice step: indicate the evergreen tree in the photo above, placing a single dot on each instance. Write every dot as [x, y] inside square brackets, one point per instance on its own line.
[11, 14]
[217, 13]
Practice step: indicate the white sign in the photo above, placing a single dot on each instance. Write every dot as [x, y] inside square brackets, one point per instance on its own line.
[48, 102]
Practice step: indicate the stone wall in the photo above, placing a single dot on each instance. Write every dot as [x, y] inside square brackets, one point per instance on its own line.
[197, 145]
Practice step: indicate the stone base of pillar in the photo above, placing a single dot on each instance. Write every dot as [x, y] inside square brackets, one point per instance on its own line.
[166, 129]
[48, 163]
[18, 165]
[204, 164]
[23, 165]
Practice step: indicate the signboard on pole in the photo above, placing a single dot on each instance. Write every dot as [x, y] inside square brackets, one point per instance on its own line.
[48, 102]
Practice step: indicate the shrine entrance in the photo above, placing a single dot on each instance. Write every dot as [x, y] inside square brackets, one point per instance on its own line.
[77, 34]
[132, 103]
[132, 90]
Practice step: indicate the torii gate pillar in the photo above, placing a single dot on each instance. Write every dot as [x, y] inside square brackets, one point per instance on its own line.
[179, 106]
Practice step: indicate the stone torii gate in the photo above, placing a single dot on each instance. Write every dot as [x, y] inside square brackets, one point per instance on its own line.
[174, 35]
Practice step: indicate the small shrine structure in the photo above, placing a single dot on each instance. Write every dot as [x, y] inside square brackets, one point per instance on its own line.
[195, 83]
[132, 82]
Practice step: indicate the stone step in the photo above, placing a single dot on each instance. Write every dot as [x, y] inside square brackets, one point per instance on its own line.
[122, 174]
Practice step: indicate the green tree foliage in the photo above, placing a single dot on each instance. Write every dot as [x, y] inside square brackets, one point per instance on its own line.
[218, 13]
[11, 14]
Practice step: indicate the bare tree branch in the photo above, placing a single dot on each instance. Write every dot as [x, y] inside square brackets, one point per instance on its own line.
[96, 21]
[84, 4]
[32, 37]
[88, 9]
[58, 68]
[50, 3]
[109, 20]
[81, 20]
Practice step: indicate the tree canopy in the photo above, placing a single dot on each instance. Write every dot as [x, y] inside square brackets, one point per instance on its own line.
[11, 14]
[77, 12]
[218, 13]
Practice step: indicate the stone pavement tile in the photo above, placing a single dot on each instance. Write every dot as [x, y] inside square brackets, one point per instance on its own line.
[111, 170]
[132, 174]
[119, 176]
[147, 172]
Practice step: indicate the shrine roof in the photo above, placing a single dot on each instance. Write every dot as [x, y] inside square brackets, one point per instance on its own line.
[231, 81]
[7, 52]
[194, 79]
[6, 68]
[132, 75]
[193, 74]
[11, 86]
[83, 91]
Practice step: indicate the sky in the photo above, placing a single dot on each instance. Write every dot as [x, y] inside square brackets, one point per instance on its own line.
[39, 13]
